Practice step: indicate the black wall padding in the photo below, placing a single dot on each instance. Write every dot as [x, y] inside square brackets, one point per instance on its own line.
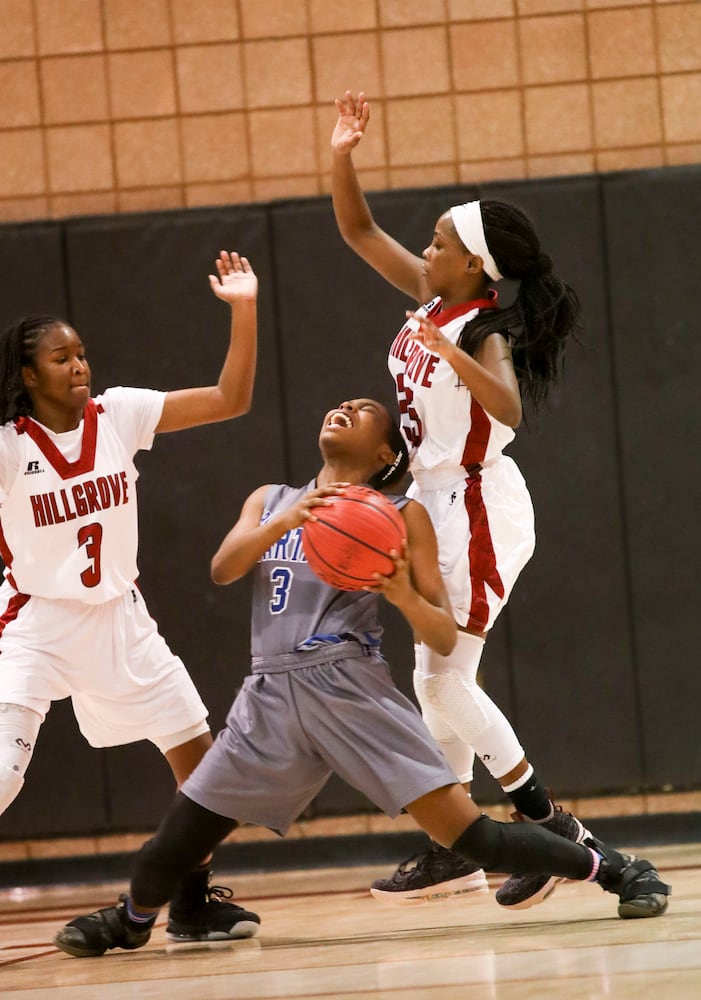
[653, 221]
[33, 271]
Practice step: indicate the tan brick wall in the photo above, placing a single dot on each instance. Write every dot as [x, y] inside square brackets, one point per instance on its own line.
[129, 105]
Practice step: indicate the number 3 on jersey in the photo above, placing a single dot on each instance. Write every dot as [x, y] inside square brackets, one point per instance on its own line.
[281, 579]
[90, 535]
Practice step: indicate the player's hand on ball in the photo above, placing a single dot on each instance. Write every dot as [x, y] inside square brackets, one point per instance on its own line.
[235, 279]
[304, 510]
[397, 586]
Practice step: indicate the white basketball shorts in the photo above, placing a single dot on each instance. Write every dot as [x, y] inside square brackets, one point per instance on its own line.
[124, 681]
[485, 529]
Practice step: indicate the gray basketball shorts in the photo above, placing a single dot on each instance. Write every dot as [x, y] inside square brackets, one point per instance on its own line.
[286, 732]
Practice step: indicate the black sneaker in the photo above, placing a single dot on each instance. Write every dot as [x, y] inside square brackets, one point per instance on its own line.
[435, 874]
[637, 883]
[199, 913]
[519, 892]
[96, 933]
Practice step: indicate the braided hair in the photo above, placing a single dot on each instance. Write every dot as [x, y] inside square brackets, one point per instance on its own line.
[546, 310]
[395, 471]
[18, 348]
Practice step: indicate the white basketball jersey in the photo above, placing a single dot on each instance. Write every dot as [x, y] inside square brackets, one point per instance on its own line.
[68, 517]
[443, 424]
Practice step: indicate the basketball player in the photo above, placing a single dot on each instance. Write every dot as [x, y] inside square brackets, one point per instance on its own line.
[321, 699]
[461, 365]
[72, 619]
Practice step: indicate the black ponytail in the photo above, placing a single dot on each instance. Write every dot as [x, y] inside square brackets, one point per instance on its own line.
[546, 310]
[18, 346]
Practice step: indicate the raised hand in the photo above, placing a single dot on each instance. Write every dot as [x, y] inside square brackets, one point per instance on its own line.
[236, 279]
[353, 116]
[428, 333]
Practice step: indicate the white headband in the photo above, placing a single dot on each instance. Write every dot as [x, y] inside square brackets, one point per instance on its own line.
[467, 220]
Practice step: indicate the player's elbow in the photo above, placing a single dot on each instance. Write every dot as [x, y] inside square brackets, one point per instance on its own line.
[509, 414]
[241, 408]
[220, 573]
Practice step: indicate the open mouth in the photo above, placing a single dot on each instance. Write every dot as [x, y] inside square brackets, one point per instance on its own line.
[339, 419]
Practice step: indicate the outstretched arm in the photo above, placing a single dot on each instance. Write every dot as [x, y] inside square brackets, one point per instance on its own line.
[236, 284]
[416, 587]
[394, 262]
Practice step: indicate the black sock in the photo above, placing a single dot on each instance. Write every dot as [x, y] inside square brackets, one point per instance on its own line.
[532, 799]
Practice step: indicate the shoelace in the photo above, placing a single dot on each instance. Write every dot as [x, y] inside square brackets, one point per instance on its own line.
[218, 893]
[421, 860]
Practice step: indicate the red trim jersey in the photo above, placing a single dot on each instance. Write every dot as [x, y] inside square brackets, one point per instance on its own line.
[68, 515]
[443, 425]
[475, 496]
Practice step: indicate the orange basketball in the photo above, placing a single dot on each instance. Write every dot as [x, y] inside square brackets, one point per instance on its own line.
[352, 538]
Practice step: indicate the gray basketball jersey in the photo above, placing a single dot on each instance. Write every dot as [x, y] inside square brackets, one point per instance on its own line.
[292, 609]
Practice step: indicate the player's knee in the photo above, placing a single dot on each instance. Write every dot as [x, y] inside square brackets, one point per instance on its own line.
[457, 703]
[436, 725]
[481, 844]
[18, 732]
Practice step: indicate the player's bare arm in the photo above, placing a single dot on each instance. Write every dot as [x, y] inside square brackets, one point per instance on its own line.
[236, 284]
[248, 540]
[416, 587]
[356, 224]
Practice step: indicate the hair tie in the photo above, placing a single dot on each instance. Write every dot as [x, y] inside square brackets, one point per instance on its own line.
[467, 220]
[393, 467]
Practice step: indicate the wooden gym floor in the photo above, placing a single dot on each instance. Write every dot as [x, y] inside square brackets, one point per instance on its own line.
[323, 936]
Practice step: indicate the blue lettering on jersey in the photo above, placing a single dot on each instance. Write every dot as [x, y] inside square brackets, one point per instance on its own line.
[288, 548]
[281, 579]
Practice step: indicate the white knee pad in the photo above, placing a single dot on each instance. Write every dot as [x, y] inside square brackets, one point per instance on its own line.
[456, 703]
[436, 725]
[459, 755]
[464, 660]
[446, 691]
[18, 732]
[461, 758]
[497, 746]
